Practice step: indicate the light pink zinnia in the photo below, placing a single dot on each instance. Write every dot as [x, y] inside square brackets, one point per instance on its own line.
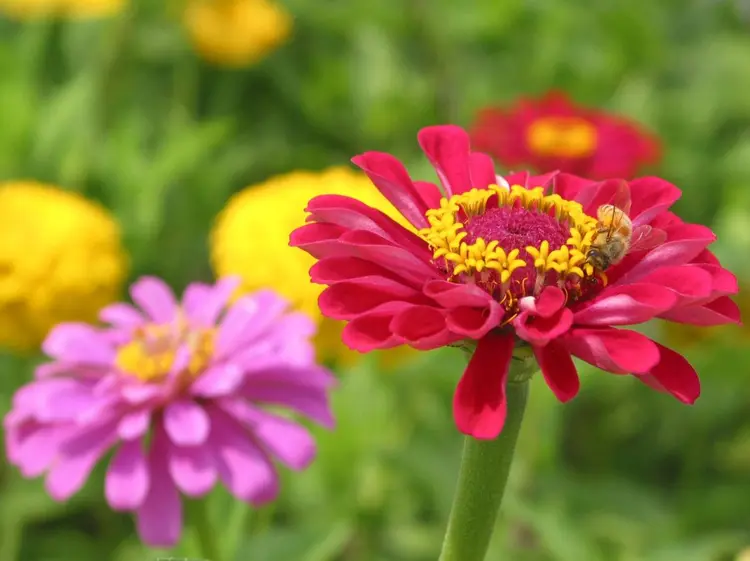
[178, 390]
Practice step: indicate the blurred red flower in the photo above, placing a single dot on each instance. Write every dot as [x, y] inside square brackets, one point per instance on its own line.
[554, 133]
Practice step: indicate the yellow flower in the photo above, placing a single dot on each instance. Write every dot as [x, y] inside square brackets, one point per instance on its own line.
[251, 239]
[61, 259]
[236, 32]
[71, 9]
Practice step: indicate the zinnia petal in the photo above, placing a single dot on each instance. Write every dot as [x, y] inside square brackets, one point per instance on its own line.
[448, 149]
[193, 469]
[673, 374]
[154, 297]
[186, 422]
[619, 351]
[127, 480]
[558, 369]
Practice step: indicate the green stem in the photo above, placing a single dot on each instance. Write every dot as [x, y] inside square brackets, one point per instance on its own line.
[205, 533]
[481, 483]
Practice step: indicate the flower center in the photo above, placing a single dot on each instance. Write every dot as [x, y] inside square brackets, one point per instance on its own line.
[514, 242]
[562, 137]
[151, 354]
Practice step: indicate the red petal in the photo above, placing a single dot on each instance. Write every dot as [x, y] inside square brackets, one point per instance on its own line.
[474, 323]
[393, 181]
[337, 269]
[349, 299]
[369, 332]
[423, 327]
[447, 147]
[479, 406]
[688, 282]
[482, 170]
[548, 303]
[539, 330]
[429, 192]
[558, 370]
[719, 312]
[525, 179]
[619, 351]
[352, 214]
[674, 374]
[568, 186]
[651, 196]
[723, 282]
[319, 240]
[453, 295]
[627, 305]
[684, 243]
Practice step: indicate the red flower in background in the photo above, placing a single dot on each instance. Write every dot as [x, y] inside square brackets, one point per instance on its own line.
[510, 265]
[553, 133]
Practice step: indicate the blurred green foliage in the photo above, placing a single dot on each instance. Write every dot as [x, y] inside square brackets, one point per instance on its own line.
[123, 111]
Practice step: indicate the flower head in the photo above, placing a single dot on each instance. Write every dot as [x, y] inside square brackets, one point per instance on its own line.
[266, 213]
[553, 133]
[514, 263]
[236, 32]
[61, 259]
[178, 389]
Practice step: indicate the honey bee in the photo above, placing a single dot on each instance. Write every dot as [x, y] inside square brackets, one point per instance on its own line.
[612, 240]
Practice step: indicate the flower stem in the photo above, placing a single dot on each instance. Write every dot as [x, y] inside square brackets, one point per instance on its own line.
[205, 533]
[481, 483]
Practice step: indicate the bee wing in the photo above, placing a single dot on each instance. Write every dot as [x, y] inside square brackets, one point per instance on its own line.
[645, 237]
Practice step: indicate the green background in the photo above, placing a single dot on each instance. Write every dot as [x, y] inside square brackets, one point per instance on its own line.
[124, 111]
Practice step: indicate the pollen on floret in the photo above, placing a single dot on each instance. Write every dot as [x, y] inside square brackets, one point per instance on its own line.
[513, 242]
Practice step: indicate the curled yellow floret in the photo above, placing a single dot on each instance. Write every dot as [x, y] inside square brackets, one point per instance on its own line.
[251, 239]
[61, 259]
[236, 32]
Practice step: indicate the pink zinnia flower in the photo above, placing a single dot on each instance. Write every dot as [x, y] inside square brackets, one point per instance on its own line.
[507, 266]
[555, 133]
[178, 389]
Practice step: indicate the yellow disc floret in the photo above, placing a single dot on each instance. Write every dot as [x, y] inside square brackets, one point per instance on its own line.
[61, 259]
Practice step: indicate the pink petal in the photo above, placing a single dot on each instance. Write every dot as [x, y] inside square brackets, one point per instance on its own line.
[138, 393]
[291, 390]
[194, 296]
[193, 469]
[687, 282]
[78, 343]
[248, 318]
[34, 453]
[122, 315]
[673, 374]
[393, 181]
[134, 425]
[558, 369]
[153, 296]
[77, 458]
[215, 300]
[186, 423]
[482, 170]
[479, 406]
[127, 480]
[615, 350]
[218, 380]
[447, 147]
[627, 305]
[242, 466]
[719, 312]
[423, 327]
[159, 518]
[336, 269]
[288, 441]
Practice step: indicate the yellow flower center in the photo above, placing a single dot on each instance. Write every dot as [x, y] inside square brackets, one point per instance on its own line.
[562, 137]
[150, 355]
[513, 242]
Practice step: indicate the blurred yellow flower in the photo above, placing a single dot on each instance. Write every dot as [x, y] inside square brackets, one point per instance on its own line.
[251, 239]
[236, 32]
[743, 555]
[61, 259]
[69, 9]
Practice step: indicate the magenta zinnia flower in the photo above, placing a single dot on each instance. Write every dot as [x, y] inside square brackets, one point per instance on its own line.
[507, 266]
[178, 389]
